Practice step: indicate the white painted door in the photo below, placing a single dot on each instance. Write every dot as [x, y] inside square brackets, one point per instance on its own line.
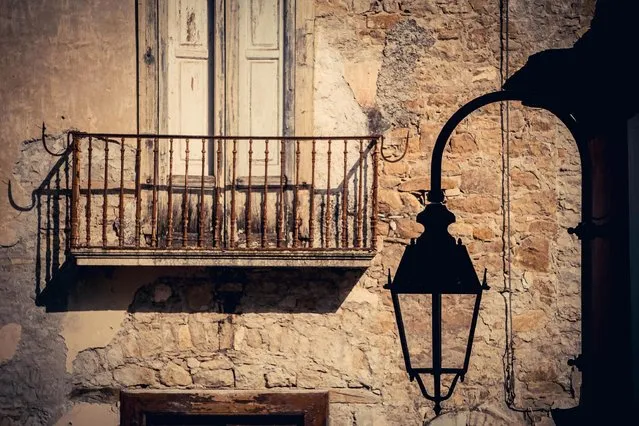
[260, 41]
[189, 110]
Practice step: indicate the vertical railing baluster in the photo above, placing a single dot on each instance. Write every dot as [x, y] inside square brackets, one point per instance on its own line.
[219, 182]
[138, 191]
[154, 202]
[311, 223]
[232, 239]
[360, 192]
[200, 232]
[214, 219]
[345, 198]
[327, 214]
[48, 225]
[185, 199]
[75, 191]
[248, 195]
[280, 215]
[169, 236]
[374, 200]
[87, 214]
[296, 195]
[265, 194]
[105, 192]
[68, 204]
[121, 203]
[55, 261]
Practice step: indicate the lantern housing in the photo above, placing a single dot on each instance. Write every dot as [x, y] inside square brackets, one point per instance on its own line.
[436, 267]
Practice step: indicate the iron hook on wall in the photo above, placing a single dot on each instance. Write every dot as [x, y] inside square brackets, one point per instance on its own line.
[34, 193]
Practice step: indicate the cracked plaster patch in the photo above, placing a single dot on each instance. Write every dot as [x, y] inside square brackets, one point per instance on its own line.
[89, 329]
[85, 414]
[361, 76]
[10, 335]
[336, 110]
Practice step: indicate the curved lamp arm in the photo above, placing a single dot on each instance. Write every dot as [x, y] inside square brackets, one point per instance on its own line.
[436, 195]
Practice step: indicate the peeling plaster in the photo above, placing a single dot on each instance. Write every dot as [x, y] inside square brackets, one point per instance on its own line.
[361, 76]
[10, 335]
[85, 414]
[89, 329]
[336, 109]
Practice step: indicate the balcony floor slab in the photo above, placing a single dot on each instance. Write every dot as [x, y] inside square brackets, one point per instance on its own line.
[326, 258]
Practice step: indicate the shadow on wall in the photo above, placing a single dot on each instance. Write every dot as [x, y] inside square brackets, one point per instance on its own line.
[596, 79]
[51, 200]
[62, 286]
[217, 290]
[596, 82]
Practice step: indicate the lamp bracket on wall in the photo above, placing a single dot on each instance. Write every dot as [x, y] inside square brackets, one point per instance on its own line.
[576, 362]
[589, 230]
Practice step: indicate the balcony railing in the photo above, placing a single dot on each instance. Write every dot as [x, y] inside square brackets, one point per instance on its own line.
[204, 200]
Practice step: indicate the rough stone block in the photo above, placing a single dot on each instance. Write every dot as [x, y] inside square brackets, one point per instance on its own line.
[280, 378]
[389, 201]
[382, 21]
[250, 377]
[483, 233]
[214, 379]
[174, 375]
[135, 375]
[475, 204]
[534, 253]
[408, 228]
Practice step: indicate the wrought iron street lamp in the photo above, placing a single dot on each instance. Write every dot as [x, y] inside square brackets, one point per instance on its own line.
[436, 266]
[438, 272]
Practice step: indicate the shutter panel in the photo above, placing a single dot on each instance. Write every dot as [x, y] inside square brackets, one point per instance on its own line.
[260, 85]
[188, 79]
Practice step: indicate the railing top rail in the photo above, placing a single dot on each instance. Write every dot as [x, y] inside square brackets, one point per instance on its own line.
[220, 137]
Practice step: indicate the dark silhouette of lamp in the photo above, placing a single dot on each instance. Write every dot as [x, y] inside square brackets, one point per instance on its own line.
[435, 267]
[438, 272]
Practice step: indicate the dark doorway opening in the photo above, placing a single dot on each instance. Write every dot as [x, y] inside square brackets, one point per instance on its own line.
[223, 408]
[224, 420]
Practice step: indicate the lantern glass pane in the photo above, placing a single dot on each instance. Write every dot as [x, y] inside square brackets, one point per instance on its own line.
[457, 315]
[416, 315]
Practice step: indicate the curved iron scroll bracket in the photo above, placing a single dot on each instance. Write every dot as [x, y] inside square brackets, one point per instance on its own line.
[403, 154]
[34, 193]
[46, 148]
[15, 205]
[436, 195]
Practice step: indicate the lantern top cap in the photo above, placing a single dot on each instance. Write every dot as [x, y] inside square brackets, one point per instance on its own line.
[434, 262]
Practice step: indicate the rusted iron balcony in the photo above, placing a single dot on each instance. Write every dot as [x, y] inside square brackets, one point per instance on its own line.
[230, 201]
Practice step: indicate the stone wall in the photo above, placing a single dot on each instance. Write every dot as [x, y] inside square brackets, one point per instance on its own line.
[398, 68]
[71, 65]
[411, 50]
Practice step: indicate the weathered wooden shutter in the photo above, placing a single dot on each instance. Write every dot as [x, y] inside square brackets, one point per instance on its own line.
[260, 103]
[188, 69]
